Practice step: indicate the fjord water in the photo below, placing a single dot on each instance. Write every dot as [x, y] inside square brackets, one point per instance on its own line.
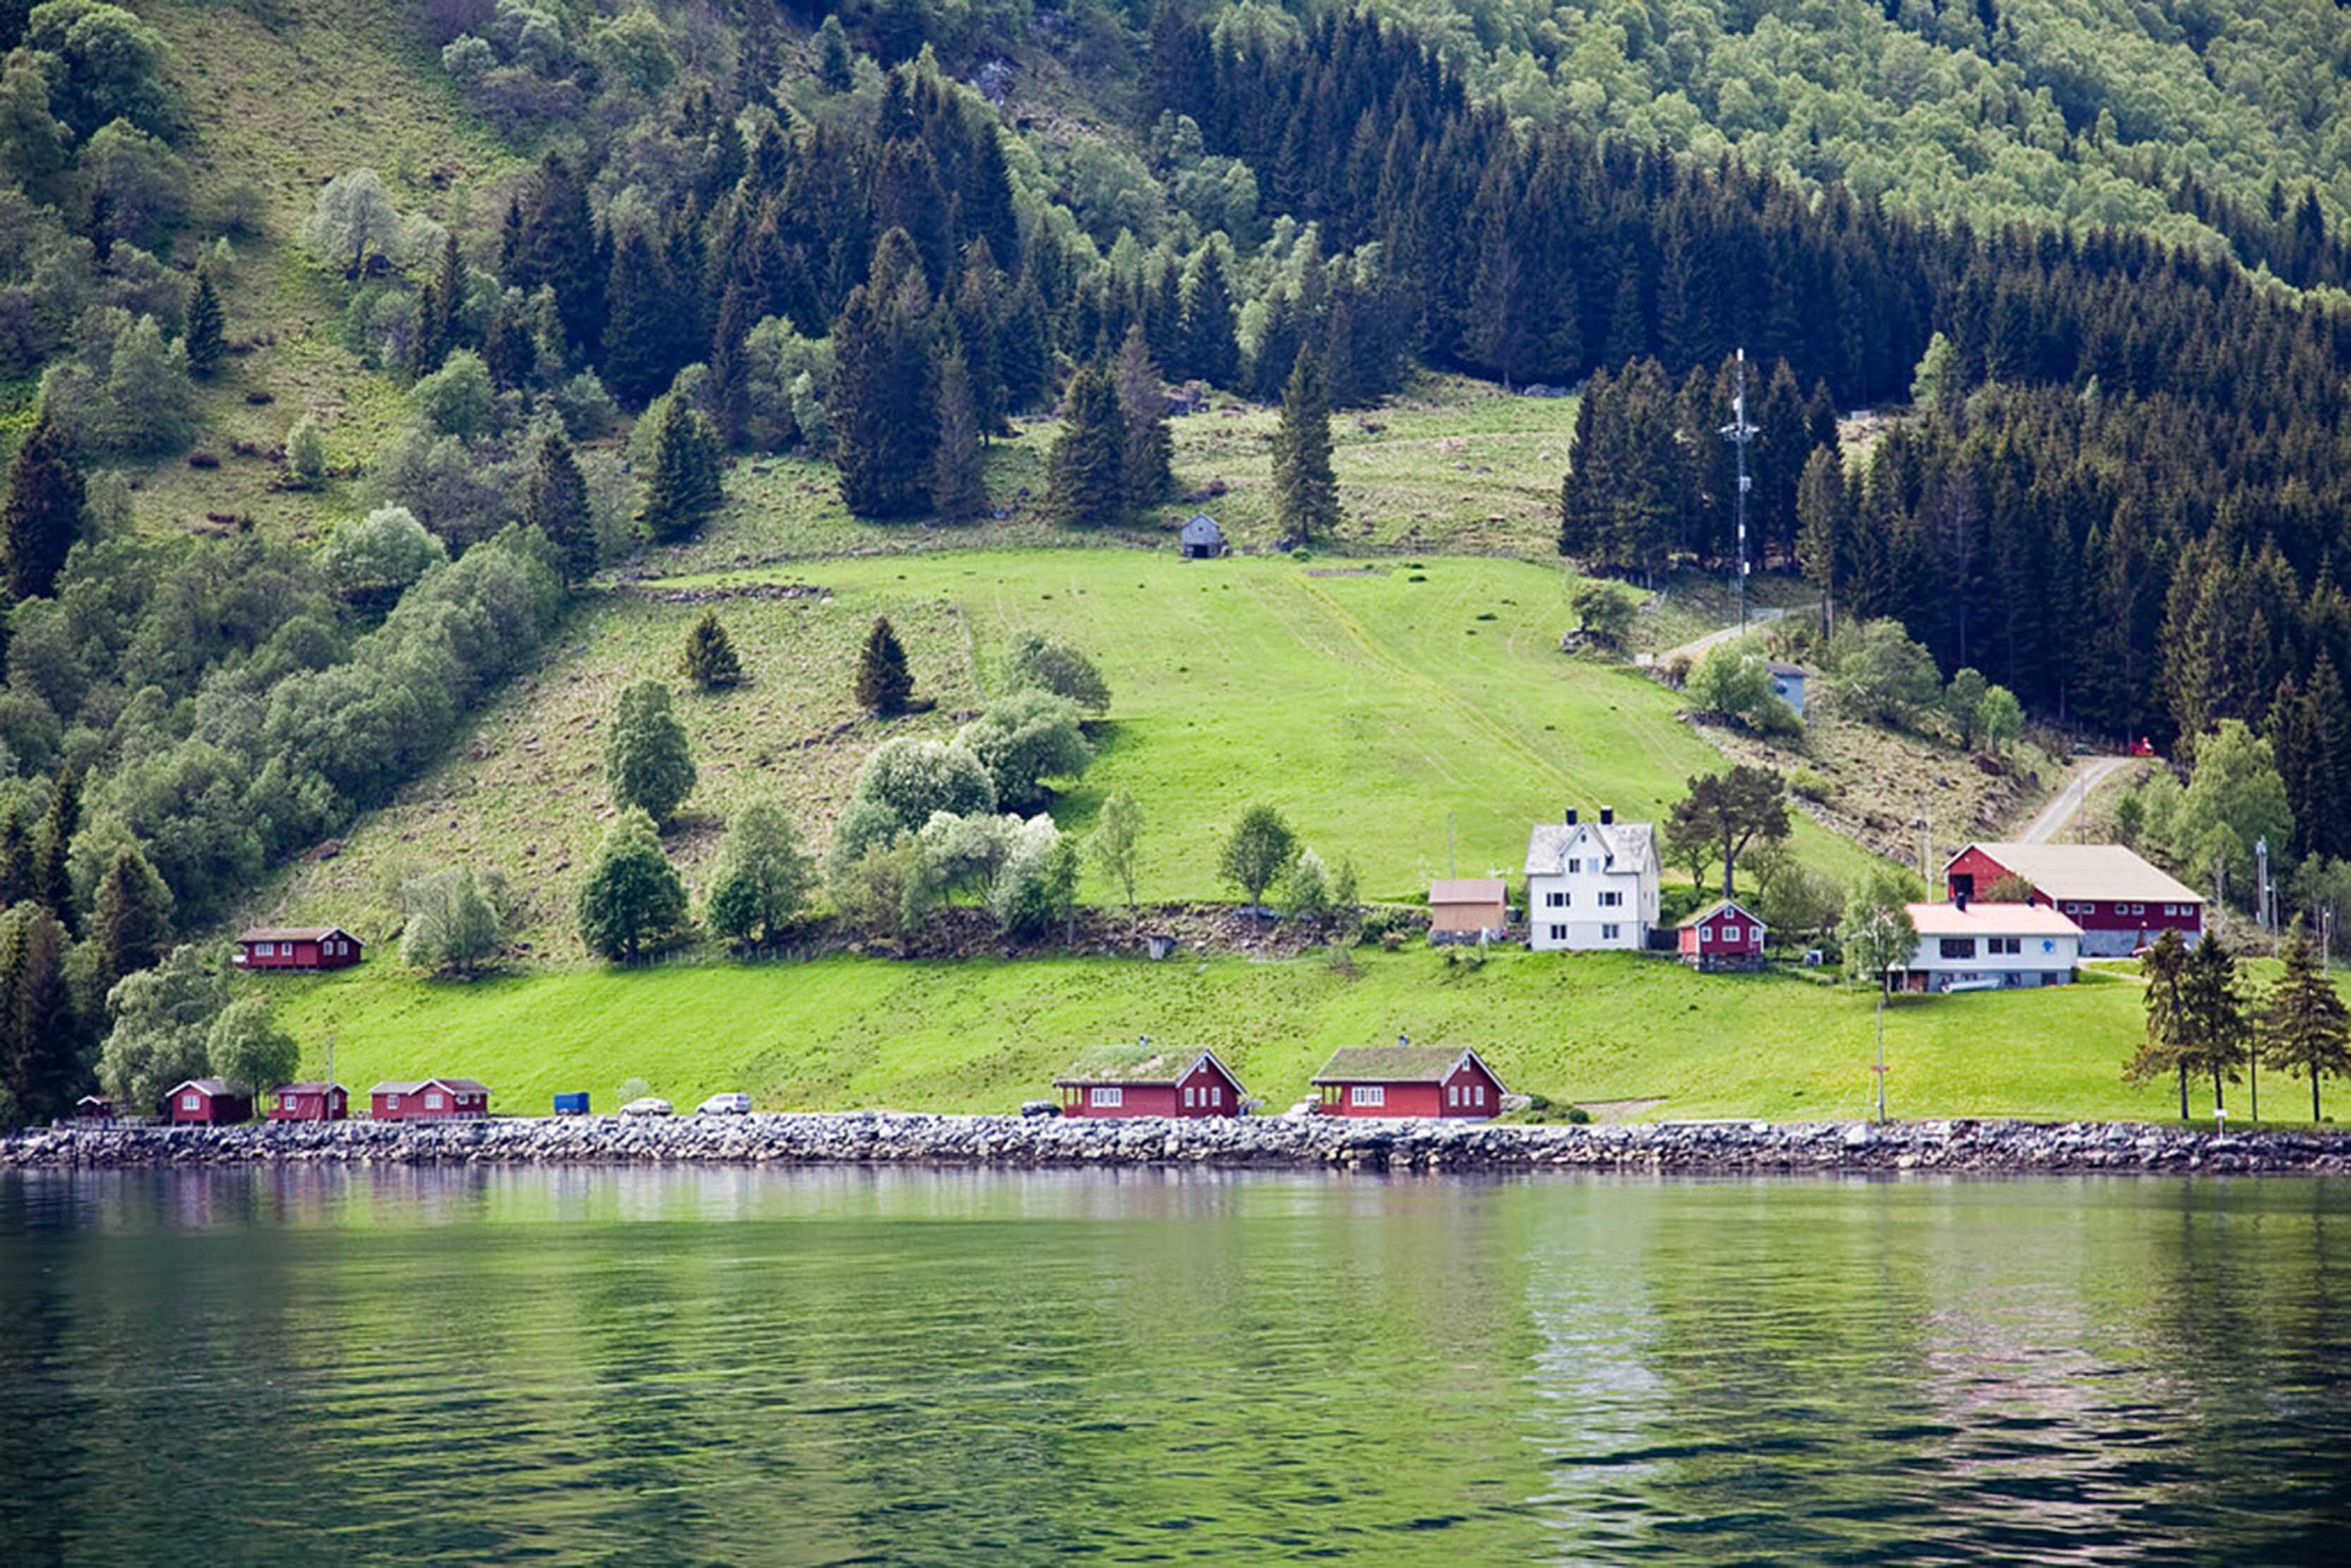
[858, 1366]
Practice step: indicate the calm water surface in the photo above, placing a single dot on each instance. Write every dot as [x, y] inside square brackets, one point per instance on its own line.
[757, 1367]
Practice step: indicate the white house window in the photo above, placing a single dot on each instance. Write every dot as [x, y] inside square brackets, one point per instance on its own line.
[1958, 946]
[1575, 867]
[2138, 909]
[1608, 933]
[1108, 1096]
[1558, 933]
[2007, 945]
[1368, 1094]
[1554, 901]
[1188, 1092]
[1611, 900]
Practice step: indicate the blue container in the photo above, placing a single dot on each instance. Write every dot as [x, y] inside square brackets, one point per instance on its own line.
[571, 1105]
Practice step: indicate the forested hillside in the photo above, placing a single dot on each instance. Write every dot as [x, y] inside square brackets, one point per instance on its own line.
[345, 350]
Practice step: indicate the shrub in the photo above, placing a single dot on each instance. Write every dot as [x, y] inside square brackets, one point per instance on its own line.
[375, 558]
[1028, 736]
[910, 778]
[1049, 664]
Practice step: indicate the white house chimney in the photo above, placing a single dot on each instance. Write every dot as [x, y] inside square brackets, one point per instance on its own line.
[1607, 815]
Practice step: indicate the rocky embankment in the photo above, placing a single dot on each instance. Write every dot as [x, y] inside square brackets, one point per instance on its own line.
[1265, 1143]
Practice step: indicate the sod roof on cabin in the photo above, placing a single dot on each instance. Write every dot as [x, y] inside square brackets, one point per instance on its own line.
[1389, 1064]
[1136, 1061]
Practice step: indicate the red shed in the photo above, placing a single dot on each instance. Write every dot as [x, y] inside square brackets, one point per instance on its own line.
[296, 947]
[309, 1103]
[2120, 901]
[206, 1102]
[1406, 1079]
[1725, 937]
[93, 1108]
[1146, 1080]
[429, 1100]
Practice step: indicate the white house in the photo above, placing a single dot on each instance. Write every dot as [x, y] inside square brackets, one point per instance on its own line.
[1591, 885]
[1991, 946]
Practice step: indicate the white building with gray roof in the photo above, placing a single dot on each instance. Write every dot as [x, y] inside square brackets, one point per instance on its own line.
[1591, 885]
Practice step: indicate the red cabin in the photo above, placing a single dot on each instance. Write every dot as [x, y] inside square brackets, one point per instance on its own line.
[1145, 1080]
[309, 1103]
[93, 1108]
[430, 1100]
[206, 1102]
[296, 947]
[2121, 902]
[1725, 937]
[1406, 1079]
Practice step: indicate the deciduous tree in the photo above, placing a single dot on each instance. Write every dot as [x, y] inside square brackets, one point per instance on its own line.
[1732, 809]
[633, 898]
[1256, 851]
[1115, 844]
[764, 877]
[245, 1048]
[647, 762]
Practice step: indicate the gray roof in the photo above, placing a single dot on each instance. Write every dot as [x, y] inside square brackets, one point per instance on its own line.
[411, 1086]
[1631, 845]
[308, 1089]
[1200, 529]
[1393, 1065]
[201, 1085]
[293, 934]
[2086, 871]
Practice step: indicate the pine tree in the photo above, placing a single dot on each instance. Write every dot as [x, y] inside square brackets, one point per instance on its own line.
[709, 660]
[443, 299]
[685, 490]
[1024, 349]
[554, 241]
[1823, 530]
[40, 1061]
[883, 682]
[884, 400]
[1305, 492]
[2216, 1031]
[205, 343]
[1089, 458]
[1204, 322]
[52, 867]
[834, 68]
[130, 918]
[958, 490]
[640, 322]
[42, 516]
[556, 505]
[1149, 473]
[17, 850]
[2304, 1027]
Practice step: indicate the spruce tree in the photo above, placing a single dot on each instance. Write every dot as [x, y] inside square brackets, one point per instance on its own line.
[1204, 322]
[835, 70]
[1089, 458]
[640, 322]
[884, 400]
[1305, 492]
[2216, 1031]
[39, 1061]
[685, 490]
[130, 918]
[204, 338]
[709, 660]
[958, 491]
[42, 516]
[1149, 473]
[1024, 349]
[52, 866]
[556, 505]
[2304, 1027]
[17, 851]
[443, 298]
[883, 680]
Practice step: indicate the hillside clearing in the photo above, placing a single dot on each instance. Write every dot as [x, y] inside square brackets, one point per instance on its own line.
[1382, 712]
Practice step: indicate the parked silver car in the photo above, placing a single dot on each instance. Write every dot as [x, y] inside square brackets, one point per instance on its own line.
[725, 1105]
[651, 1106]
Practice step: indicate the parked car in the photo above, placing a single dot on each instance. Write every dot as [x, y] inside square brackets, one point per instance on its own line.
[1040, 1108]
[725, 1105]
[651, 1106]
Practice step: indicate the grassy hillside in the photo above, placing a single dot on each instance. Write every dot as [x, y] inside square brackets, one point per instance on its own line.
[1371, 702]
[840, 1033]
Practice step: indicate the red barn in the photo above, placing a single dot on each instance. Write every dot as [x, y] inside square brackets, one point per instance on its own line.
[429, 1100]
[2121, 902]
[296, 947]
[1145, 1080]
[309, 1103]
[1406, 1079]
[1725, 937]
[206, 1102]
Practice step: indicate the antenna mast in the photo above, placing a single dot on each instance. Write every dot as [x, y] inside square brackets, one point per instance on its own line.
[1739, 433]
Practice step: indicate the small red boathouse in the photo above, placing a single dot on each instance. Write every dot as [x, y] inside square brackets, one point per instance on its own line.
[1406, 1079]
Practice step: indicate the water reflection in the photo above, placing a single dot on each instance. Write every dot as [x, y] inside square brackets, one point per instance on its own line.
[884, 1365]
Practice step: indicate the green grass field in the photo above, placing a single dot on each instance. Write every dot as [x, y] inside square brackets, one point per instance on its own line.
[840, 1033]
[1376, 706]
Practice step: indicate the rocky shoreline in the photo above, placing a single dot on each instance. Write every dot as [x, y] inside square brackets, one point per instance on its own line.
[1260, 1143]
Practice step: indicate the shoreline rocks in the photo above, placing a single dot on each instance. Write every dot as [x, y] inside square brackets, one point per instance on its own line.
[1315, 1143]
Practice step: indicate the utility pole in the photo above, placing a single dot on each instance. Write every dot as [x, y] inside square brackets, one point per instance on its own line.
[1739, 433]
[1449, 845]
[327, 1096]
[2262, 891]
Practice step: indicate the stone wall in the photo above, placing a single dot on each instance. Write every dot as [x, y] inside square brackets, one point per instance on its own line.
[1268, 1143]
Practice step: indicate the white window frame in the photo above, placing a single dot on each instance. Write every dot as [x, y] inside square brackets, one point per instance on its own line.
[1554, 901]
[1216, 1095]
[1367, 1094]
[1478, 1094]
[1706, 933]
[1106, 1096]
[190, 1101]
[1575, 868]
[1755, 934]
[432, 1100]
[1612, 900]
[1611, 933]
[1453, 1095]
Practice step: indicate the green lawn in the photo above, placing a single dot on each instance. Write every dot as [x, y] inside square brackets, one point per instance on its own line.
[1377, 707]
[845, 1032]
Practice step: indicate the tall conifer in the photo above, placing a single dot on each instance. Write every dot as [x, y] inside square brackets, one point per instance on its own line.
[205, 340]
[1089, 459]
[685, 490]
[1305, 491]
[958, 490]
[557, 505]
[42, 514]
